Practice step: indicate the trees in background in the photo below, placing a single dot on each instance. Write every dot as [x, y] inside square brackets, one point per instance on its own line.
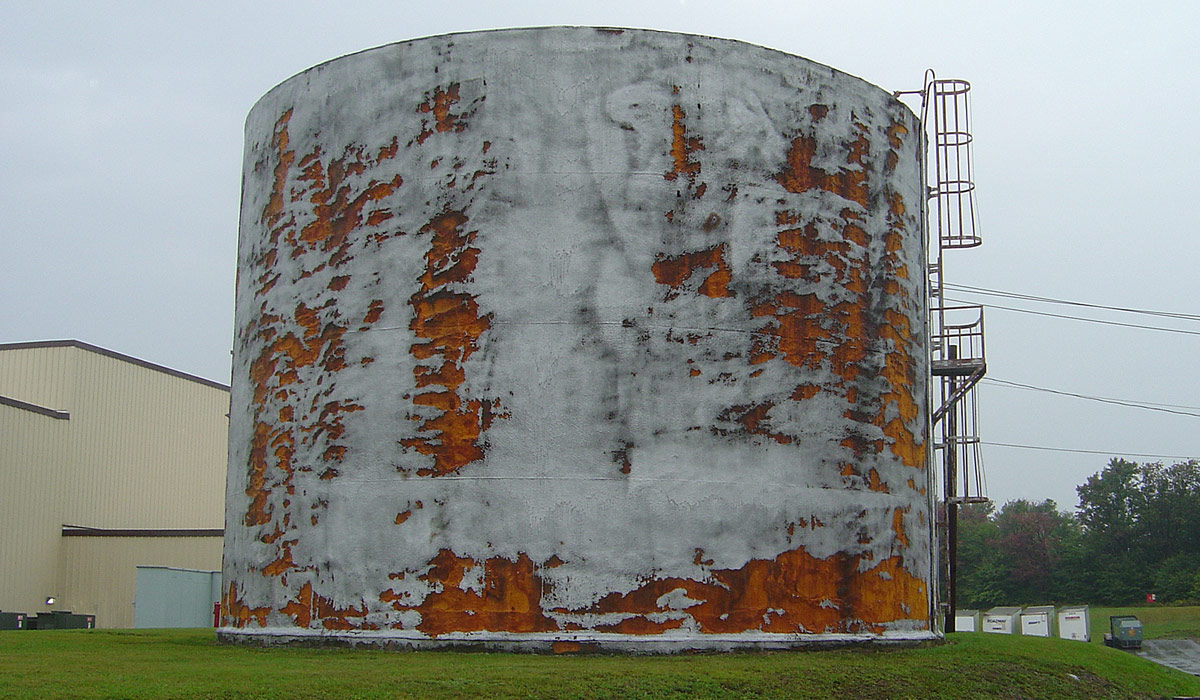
[1136, 531]
[1025, 552]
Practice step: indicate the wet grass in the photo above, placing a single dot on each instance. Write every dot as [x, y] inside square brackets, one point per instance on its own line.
[190, 664]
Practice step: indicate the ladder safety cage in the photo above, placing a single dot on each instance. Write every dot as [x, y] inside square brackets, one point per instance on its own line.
[956, 339]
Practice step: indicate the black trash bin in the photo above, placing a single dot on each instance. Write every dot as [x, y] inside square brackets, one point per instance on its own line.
[65, 620]
[12, 621]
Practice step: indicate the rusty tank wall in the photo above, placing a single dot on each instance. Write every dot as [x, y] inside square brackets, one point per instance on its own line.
[573, 337]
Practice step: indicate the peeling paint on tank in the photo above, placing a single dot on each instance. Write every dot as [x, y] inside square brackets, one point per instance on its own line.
[506, 366]
[675, 271]
[682, 147]
[450, 324]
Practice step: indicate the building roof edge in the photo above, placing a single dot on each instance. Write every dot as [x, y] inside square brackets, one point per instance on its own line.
[30, 345]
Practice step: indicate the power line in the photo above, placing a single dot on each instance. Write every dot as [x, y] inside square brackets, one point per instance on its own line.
[1080, 318]
[1050, 300]
[1086, 452]
[1146, 405]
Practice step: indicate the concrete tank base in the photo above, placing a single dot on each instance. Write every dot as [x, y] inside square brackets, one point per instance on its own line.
[573, 643]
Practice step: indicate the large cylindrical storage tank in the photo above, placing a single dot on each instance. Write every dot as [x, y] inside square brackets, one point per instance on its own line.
[571, 338]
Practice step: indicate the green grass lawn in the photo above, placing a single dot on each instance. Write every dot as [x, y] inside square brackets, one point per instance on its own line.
[188, 663]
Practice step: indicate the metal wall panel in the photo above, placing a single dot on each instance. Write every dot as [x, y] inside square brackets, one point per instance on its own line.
[31, 467]
[99, 574]
[41, 375]
[144, 448]
[137, 427]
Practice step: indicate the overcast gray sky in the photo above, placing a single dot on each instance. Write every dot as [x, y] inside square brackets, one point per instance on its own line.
[121, 145]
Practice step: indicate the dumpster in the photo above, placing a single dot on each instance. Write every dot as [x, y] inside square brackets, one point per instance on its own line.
[12, 621]
[1001, 620]
[65, 620]
[966, 621]
[1036, 620]
[1073, 623]
[1125, 632]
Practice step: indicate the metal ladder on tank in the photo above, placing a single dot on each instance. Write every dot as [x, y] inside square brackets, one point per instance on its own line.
[956, 339]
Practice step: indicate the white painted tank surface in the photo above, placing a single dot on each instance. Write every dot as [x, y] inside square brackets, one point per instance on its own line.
[574, 337]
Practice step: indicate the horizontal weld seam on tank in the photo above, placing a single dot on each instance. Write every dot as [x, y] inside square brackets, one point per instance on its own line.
[435, 479]
[622, 173]
[771, 333]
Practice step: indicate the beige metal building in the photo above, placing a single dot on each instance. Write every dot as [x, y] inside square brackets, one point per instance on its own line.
[107, 462]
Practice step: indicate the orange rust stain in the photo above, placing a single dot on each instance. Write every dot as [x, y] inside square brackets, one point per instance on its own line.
[448, 374]
[438, 104]
[804, 392]
[803, 331]
[874, 483]
[899, 366]
[563, 647]
[621, 456]
[235, 613]
[340, 196]
[861, 446]
[899, 369]
[451, 324]
[283, 564]
[339, 200]
[310, 606]
[799, 175]
[258, 513]
[753, 420]
[402, 516]
[797, 328]
[510, 600]
[855, 233]
[898, 527]
[378, 217]
[895, 132]
[794, 592]
[640, 625]
[339, 212]
[682, 147]
[814, 595]
[374, 312]
[279, 142]
[673, 271]
[388, 151]
[891, 161]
